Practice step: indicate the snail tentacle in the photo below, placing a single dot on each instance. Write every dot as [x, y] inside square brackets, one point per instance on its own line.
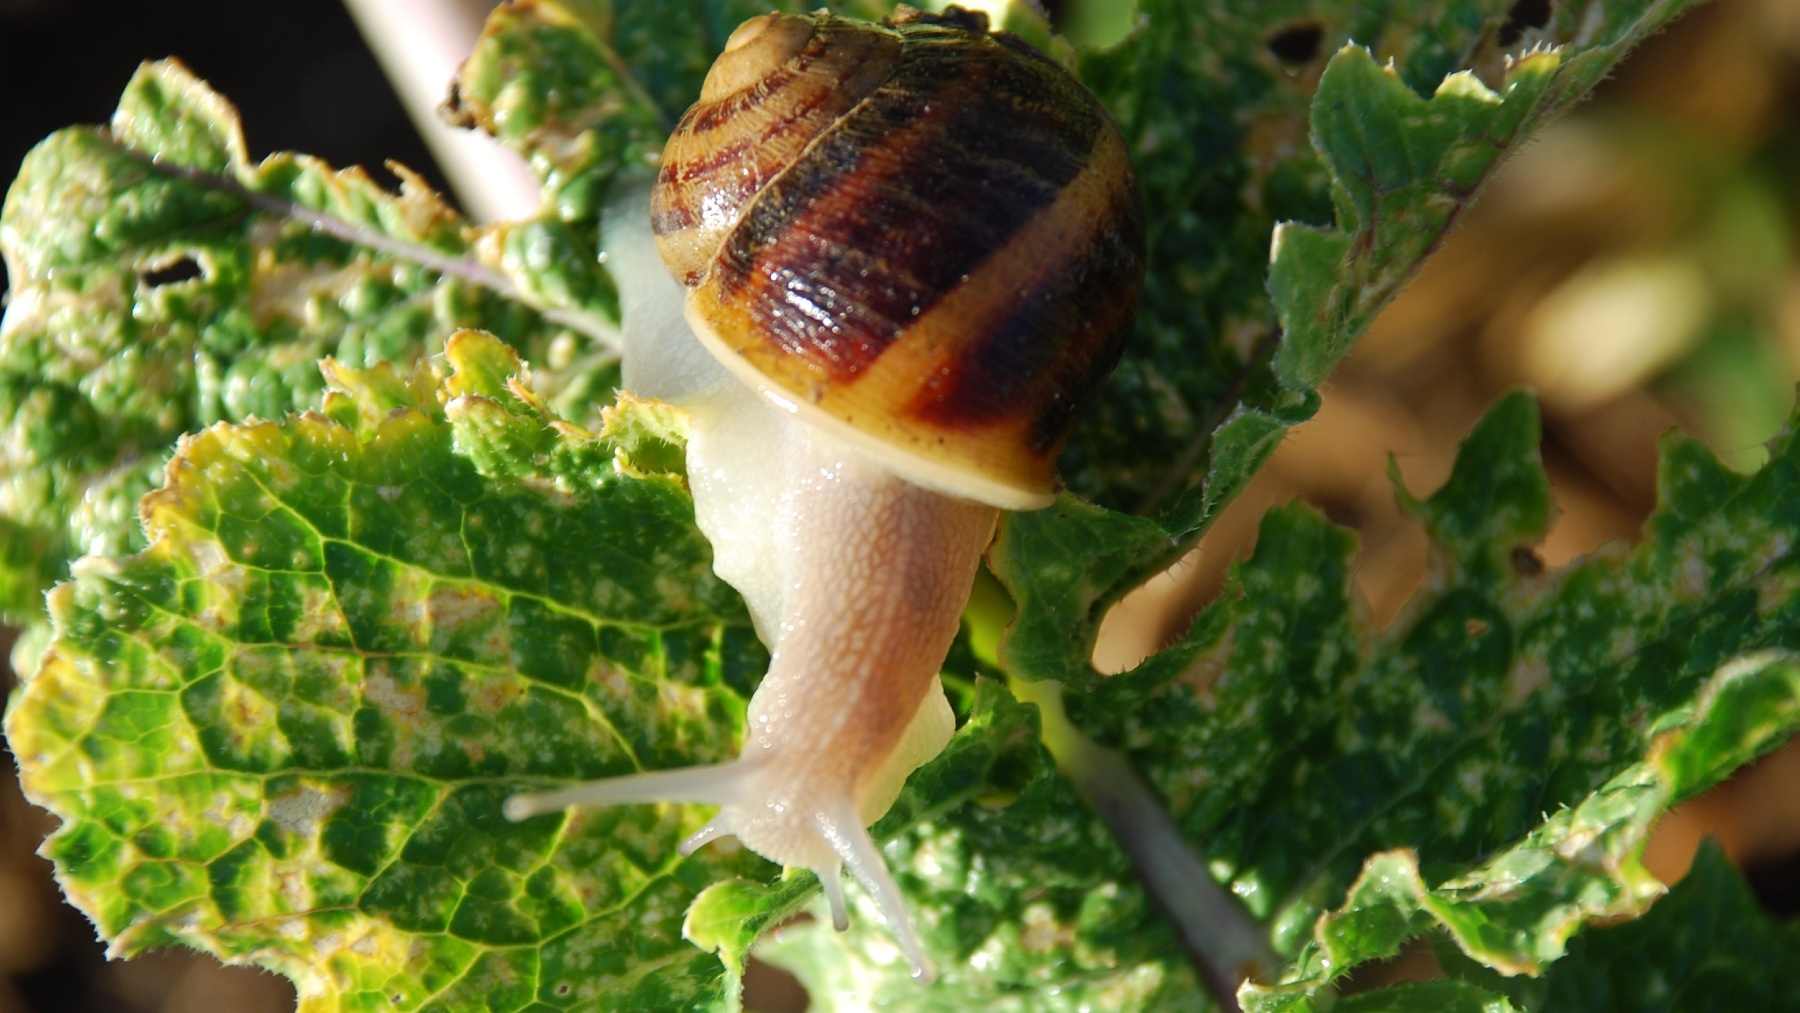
[712, 784]
[857, 850]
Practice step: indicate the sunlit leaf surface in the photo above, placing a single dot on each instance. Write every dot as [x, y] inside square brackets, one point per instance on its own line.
[375, 594]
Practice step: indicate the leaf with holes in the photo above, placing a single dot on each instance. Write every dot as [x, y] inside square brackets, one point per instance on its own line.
[1356, 789]
[1246, 314]
[282, 732]
[162, 282]
[1705, 948]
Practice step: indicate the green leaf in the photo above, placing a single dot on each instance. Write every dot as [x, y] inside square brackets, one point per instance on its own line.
[1290, 743]
[1221, 367]
[1427, 997]
[163, 282]
[1517, 912]
[1706, 946]
[282, 732]
[728, 916]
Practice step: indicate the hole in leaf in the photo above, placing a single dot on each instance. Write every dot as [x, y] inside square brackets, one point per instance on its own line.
[1345, 513]
[453, 111]
[1775, 881]
[384, 177]
[1526, 562]
[1297, 45]
[1414, 962]
[1524, 14]
[563, 989]
[183, 268]
[769, 987]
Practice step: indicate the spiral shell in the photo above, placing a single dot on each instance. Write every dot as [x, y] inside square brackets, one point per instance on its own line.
[922, 235]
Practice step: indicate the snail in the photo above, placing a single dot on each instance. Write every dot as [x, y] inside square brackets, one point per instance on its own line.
[897, 260]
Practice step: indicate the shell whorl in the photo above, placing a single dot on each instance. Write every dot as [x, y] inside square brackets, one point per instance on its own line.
[920, 234]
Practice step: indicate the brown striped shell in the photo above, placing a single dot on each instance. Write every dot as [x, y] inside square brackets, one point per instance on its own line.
[922, 235]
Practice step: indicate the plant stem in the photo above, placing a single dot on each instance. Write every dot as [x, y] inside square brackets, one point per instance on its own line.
[420, 44]
[1223, 942]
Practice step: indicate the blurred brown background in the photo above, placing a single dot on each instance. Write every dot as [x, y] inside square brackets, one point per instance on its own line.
[1637, 265]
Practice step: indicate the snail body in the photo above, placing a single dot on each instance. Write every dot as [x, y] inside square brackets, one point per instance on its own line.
[896, 262]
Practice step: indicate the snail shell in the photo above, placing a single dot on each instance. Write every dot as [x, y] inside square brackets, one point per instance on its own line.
[924, 236]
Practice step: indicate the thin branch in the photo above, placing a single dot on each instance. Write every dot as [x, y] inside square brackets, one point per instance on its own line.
[1223, 942]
